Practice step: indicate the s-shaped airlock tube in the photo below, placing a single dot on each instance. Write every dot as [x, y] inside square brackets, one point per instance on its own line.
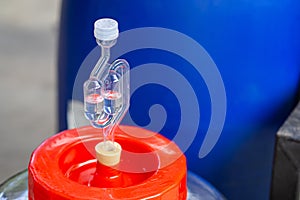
[106, 92]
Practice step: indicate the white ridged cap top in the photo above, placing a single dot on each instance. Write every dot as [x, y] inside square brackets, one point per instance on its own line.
[106, 29]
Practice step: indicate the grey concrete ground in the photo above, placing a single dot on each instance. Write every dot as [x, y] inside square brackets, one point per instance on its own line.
[28, 42]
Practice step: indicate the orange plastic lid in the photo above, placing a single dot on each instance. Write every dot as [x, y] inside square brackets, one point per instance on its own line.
[61, 167]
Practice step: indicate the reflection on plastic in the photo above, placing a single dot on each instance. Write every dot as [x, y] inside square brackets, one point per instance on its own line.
[15, 188]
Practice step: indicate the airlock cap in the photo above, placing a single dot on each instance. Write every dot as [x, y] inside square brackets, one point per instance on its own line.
[106, 29]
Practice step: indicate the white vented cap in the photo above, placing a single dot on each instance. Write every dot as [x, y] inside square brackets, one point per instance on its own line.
[106, 29]
[108, 153]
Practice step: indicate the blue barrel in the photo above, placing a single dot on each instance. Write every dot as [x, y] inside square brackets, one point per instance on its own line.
[255, 46]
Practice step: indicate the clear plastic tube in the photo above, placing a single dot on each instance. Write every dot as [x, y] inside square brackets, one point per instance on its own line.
[106, 92]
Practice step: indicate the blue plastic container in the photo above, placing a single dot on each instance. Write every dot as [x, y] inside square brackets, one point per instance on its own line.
[255, 46]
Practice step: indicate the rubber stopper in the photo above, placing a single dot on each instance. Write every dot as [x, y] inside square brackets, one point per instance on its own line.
[106, 29]
[108, 153]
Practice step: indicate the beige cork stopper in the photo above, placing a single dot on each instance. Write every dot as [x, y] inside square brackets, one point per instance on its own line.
[108, 153]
